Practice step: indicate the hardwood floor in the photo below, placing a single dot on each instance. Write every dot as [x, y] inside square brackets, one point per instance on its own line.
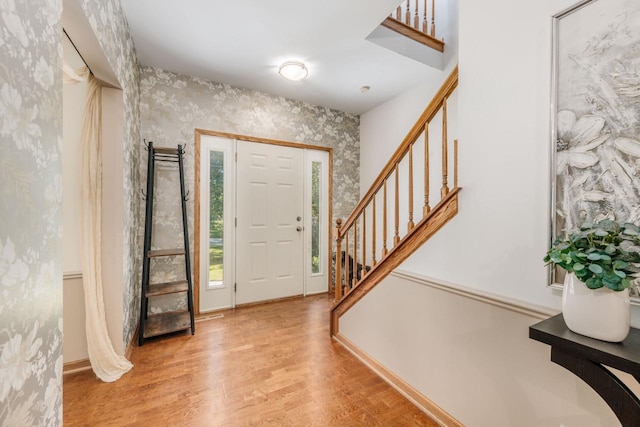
[264, 365]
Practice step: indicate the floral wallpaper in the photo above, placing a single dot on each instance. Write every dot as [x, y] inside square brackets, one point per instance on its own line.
[110, 26]
[30, 213]
[172, 106]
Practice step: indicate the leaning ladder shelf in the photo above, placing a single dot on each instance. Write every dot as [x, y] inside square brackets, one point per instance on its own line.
[159, 324]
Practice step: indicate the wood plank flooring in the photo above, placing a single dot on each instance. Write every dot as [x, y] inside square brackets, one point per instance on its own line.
[263, 365]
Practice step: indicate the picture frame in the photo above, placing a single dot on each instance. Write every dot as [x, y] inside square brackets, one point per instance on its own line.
[595, 118]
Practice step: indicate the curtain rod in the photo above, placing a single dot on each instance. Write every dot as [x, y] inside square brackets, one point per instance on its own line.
[76, 48]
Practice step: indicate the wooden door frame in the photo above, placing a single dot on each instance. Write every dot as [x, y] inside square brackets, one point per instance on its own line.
[196, 208]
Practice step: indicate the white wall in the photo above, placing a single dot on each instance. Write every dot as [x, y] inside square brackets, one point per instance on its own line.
[503, 98]
[73, 97]
[470, 354]
[494, 245]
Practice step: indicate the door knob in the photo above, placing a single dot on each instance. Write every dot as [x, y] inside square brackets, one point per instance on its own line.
[298, 228]
[299, 218]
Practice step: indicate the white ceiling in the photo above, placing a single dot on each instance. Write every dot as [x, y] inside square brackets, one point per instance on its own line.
[242, 43]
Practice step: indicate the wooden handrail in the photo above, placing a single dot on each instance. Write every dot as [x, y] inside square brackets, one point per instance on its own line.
[354, 262]
[427, 116]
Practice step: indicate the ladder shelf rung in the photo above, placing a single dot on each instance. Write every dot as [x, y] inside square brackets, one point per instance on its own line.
[165, 252]
[167, 288]
[165, 150]
[165, 323]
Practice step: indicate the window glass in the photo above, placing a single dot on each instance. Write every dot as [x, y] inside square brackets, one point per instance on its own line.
[216, 216]
[316, 191]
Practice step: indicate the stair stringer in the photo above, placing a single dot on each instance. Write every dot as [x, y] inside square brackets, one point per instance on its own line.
[442, 213]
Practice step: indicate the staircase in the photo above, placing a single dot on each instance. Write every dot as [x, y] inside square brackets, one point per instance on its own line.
[411, 31]
[357, 248]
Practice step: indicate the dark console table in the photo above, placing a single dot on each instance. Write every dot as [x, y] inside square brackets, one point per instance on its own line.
[587, 358]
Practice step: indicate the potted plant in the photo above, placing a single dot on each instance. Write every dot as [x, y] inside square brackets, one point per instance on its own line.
[602, 260]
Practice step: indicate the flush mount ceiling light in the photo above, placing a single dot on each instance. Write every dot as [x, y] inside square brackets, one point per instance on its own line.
[293, 70]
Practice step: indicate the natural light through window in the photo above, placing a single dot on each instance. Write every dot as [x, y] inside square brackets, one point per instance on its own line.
[216, 217]
[316, 191]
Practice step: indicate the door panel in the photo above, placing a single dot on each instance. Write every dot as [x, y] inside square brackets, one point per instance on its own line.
[269, 262]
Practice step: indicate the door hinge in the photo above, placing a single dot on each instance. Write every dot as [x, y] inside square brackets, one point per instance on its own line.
[236, 157]
[235, 287]
[236, 221]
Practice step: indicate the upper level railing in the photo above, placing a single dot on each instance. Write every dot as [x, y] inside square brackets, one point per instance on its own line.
[362, 231]
[418, 14]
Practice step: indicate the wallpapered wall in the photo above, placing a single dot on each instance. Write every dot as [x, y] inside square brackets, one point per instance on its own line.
[173, 105]
[110, 26]
[30, 213]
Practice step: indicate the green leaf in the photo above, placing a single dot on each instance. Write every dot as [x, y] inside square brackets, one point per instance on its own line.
[631, 226]
[606, 224]
[610, 249]
[595, 268]
[577, 266]
[620, 274]
[594, 283]
[581, 274]
[601, 233]
[611, 279]
[620, 265]
[594, 256]
[630, 232]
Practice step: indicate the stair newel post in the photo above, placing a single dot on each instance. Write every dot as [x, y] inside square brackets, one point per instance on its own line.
[399, 13]
[373, 232]
[396, 237]
[410, 224]
[338, 277]
[416, 17]
[425, 24]
[426, 208]
[445, 152]
[185, 230]
[363, 269]
[455, 163]
[407, 17]
[384, 220]
[433, 18]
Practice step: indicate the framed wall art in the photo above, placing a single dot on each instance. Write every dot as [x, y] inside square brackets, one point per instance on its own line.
[595, 116]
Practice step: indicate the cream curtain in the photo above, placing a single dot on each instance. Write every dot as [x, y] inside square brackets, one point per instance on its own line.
[106, 363]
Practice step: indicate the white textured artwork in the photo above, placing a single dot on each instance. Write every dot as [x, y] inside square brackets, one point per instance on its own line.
[597, 113]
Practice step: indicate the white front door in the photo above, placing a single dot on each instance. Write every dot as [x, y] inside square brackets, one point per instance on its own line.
[269, 230]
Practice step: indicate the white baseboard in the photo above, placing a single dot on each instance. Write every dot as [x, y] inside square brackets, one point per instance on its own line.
[414, 396]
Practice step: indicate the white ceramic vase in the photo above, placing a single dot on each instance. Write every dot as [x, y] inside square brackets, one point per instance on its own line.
[597, 313]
